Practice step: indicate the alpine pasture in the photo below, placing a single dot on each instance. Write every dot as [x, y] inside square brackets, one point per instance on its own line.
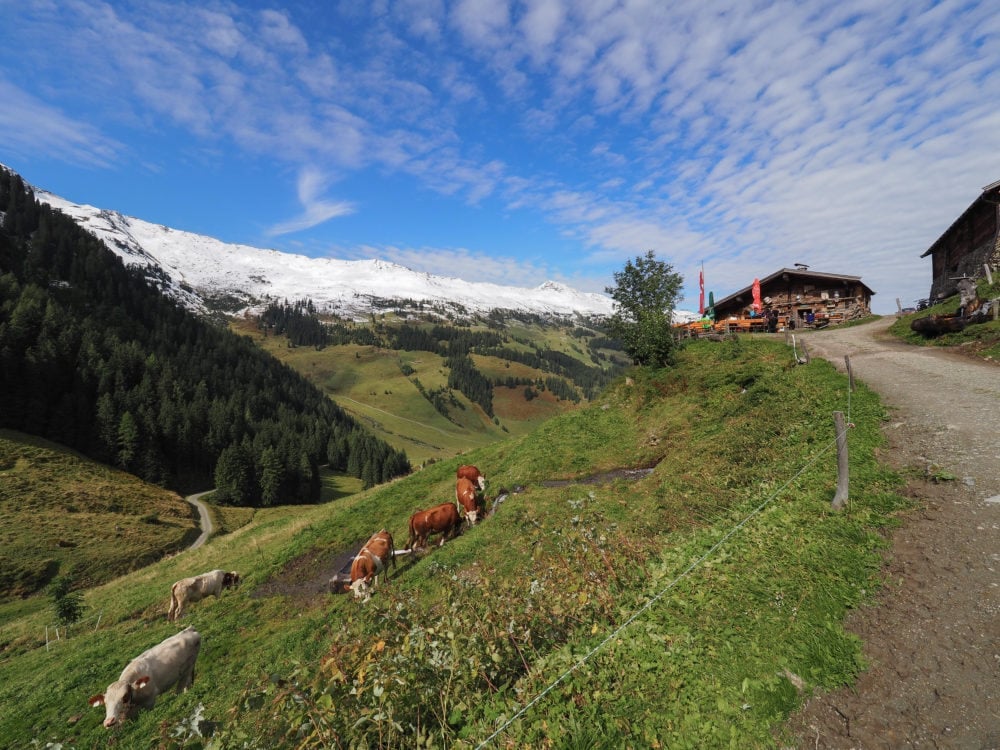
[691, 606]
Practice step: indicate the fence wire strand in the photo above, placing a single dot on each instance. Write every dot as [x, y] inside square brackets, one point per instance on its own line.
[684, 574]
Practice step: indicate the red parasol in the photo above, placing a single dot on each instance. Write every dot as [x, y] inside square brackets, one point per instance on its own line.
[756, 296]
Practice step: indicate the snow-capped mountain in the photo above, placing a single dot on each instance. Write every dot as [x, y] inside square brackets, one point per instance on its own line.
[203, 273]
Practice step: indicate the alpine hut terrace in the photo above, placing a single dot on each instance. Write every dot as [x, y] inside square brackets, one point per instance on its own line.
[796, 298]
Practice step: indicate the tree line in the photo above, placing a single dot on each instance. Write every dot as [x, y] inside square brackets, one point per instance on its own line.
[300, 322]
[94, 356]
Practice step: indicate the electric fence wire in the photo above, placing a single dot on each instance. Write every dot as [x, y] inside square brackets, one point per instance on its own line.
[687, 571]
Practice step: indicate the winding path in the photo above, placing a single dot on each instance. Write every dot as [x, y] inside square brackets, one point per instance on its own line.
[206, 518]
[932, 637]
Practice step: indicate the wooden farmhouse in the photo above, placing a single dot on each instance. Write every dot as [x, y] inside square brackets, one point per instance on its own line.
[972, 241]
[802, 298]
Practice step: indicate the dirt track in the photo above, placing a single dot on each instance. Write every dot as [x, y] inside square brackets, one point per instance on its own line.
[932, 639]
[204, 515]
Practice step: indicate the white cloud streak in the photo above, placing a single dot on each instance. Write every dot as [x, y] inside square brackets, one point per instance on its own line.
[30, 125]
[311, 185]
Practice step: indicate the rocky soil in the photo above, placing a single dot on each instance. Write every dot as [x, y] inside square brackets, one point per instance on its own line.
[932, 637]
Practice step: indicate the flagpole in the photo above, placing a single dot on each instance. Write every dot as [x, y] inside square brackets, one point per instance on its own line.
[701, 290]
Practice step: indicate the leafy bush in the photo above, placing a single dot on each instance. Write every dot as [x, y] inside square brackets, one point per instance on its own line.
[67, 604]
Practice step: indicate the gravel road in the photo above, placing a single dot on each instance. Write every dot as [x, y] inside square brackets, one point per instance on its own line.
[932, 638]
[203, 514]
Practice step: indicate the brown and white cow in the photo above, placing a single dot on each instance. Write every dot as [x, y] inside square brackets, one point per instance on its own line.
[467, 471]
[441, 519]
[465, 495]
[370, 562]
[188, 590]
[152, 672]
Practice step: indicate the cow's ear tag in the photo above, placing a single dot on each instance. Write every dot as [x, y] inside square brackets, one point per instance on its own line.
[141, 682]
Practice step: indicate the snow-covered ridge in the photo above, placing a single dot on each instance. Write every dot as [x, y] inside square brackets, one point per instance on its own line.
[202, 270]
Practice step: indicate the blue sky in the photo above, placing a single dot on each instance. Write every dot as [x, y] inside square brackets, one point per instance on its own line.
[516, 142]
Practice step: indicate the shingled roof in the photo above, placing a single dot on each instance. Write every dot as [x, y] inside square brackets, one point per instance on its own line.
[989, 194]
[835, 277]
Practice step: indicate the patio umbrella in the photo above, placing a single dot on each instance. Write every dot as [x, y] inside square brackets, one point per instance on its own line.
[756, 296]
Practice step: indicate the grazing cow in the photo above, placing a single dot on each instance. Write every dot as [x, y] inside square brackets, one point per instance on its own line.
[370, 562]
[473, 474]
[188, 590]
[441, 519]
[465, 494]
[149, 674]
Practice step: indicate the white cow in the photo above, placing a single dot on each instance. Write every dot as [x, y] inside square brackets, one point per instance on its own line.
[188, 590]
[149, 674]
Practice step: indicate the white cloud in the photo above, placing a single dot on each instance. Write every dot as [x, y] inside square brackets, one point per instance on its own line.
[847, 135]
[540, 26]
[483, 23]
[312, 183]
[463, 263]
[31, 127]
[276, 28]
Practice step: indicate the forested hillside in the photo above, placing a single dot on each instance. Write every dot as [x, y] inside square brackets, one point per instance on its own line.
[94, 357]
[497, 363]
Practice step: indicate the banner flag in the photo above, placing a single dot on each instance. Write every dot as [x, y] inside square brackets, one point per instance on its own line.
[701, 295]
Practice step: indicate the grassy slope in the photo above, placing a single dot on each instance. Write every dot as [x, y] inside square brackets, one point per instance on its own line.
[368, 383]
[464, 635]
[61, 511]
[981, 340]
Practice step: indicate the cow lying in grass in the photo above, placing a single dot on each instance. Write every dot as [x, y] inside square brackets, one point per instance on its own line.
[152, 672]
[196, 588]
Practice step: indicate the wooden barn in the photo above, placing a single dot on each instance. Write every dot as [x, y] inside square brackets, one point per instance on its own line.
[809, 298]
[972, 241]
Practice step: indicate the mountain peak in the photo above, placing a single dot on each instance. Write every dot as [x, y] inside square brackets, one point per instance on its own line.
[203, 273]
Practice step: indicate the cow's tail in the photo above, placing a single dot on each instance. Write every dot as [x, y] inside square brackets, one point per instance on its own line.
[413, 533]
[174, 604]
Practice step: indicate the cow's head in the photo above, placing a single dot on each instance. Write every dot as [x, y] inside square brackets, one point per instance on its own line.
[230, 579]
[481, 481]
[119, 700]
[361, 589]
[340, 583]
[472, 516]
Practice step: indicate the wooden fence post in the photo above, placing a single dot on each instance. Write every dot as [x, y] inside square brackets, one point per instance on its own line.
[989, 274]
[850, 372]
[805, 352]
[899, 307]
[843, 466]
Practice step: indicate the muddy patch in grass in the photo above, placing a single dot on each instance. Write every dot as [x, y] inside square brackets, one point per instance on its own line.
[308, 576]
[606, 477]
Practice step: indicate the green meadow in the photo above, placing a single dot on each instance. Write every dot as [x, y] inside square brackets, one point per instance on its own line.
[690, 606]
[377, 386]
[980, 339]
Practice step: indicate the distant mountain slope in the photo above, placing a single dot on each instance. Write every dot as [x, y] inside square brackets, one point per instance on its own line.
[203, 273]
[94, 358]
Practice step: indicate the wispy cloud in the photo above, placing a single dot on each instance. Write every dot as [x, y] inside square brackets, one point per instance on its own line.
[29, 126]
[461, 263]
[845, 135]
[311, 185]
